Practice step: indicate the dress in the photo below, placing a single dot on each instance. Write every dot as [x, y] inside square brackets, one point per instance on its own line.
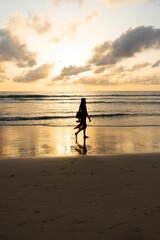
[84, 114]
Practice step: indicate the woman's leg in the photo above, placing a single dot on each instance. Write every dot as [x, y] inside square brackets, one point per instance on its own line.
[83, 127]
[84, 133]
[78, 131]
[84, 130]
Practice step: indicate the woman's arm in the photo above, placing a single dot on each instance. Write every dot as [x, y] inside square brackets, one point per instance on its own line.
[88, 115]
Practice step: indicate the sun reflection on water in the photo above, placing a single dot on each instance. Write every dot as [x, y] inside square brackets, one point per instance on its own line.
[39, 141]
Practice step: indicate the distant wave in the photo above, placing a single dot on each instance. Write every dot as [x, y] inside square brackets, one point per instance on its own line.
[125, 115]
[38, 118]
[126, 102]
[73, 125]
[109, 115]
[38, 96]
[75, 96]
[91, 99]
[7, 119]
[23, 96]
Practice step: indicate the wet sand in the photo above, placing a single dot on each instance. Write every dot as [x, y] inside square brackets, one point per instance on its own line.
[38, 141]
[86, 197]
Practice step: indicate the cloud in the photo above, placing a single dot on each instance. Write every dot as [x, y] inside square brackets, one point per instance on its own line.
[140, 66]
[2, 69]
[68, 72]
[111, 76]
[71, 29]
[67, 1]
[119, 2]
[69, 32]
[40, 24]
[37, 74]
[95, 81]
[127, 45]
[154, 79]
[110, 2]
[16, 23]
[99, 70]
[156, 64]
[145, 80]
[85, 80]
[11, 49]
[2, 73]
[74, 70]
[112, 69]
[99, 52]
[119, 80]
[91, 15]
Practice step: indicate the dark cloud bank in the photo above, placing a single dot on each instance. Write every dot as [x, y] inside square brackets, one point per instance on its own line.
[127, 45]
[11, 49]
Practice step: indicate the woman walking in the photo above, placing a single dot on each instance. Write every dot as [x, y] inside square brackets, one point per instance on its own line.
[83, 115]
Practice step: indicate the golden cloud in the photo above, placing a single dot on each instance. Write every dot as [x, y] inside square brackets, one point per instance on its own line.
[37, 74]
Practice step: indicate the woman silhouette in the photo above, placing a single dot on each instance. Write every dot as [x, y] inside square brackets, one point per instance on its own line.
[83, 116]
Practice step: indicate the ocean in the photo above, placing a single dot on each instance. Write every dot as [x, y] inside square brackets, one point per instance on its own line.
[106, 109]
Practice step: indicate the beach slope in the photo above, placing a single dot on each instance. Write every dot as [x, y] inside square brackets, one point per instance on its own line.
[95, 197]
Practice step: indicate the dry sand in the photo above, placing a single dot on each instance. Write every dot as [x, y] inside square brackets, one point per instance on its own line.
[81, 198]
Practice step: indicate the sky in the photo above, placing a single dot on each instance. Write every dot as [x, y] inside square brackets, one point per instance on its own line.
[79, 45]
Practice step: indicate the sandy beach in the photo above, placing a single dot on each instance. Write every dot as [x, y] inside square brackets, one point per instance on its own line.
[92, 197]
[53, 187]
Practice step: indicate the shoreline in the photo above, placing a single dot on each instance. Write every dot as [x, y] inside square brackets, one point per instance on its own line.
[83, 157]
[80, 197]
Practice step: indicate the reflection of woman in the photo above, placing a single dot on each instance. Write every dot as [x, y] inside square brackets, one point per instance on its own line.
[82, 149]
[84, 115]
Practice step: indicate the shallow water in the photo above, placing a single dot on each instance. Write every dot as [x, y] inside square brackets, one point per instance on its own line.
[38, 141]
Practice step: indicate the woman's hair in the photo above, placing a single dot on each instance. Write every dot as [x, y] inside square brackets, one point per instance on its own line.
[83, 100]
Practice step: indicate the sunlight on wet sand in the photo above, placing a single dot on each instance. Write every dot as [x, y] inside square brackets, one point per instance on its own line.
[40, 141]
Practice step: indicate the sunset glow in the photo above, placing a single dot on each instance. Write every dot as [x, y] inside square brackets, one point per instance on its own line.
[66, 45]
